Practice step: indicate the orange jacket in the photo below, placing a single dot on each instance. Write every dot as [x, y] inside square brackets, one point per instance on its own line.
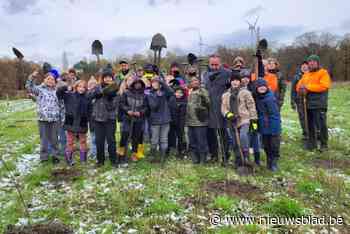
[271, 79]
[315, 82]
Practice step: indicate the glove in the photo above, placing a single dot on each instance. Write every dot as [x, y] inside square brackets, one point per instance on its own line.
[253, 127]
[229, 115]
[294, 107]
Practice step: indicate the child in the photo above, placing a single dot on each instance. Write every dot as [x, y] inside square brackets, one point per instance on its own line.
[254, 137]
[76, 118]
[92, 83]
[133, 107]
[238, 107]
[48, 113]
[160, 101]
[177, 125]
[104, 115]
[197, 117]
[269, 122]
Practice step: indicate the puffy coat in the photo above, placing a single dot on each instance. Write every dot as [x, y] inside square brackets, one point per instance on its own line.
[105, 103]
[48, 108]
[160, 105]
[133, 100]
[245, 106]
[76, 110]
[269, 119]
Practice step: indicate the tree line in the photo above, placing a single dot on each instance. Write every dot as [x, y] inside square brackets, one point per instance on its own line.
[334, 52]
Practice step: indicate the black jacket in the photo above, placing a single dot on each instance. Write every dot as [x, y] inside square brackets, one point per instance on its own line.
[76, 110]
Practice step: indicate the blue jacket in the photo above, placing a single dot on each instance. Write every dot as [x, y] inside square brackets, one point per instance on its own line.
[269, 118]
[160, 105]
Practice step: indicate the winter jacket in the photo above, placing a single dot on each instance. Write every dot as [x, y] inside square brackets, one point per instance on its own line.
[105, 102]
[317, 84]
[178, 112]
[269, 119]
[197, 114]
[160, 105]
[48, 109]
[76, 110]
[133, 100]
[216, 84]
[245, 106]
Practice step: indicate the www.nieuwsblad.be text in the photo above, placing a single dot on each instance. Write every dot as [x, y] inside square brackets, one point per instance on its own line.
[219, 220]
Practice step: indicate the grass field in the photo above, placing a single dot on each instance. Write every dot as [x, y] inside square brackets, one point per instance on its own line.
[179, 197]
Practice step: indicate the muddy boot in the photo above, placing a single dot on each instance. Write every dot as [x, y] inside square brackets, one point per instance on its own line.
[195, 157]
[257, 158]
[69, 158]
[123, 162]
[55, 160]
[83, 157]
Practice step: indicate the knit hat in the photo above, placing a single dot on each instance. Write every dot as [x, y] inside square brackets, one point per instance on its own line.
[260, 83]
[54, 73]
[123, 62]
[107, 71]
[313, 57]
[245, 73]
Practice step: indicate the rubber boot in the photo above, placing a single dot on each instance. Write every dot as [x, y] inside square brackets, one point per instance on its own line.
[140, 151]
[69, 158]
[257, 158]
[83, 157]
[203, 158]
[214, 158]
[162, 156]
[195, 157]
[274, 167]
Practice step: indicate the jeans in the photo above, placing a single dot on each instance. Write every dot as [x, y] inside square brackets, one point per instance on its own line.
[198, 140]
[254, 141]
[106, 131]
[48, 137]
[160, 136]
[93, 150]
[243, 145]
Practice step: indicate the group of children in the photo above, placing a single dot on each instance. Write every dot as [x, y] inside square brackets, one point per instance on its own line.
[169, 111]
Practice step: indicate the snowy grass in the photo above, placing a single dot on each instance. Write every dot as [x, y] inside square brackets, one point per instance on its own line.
[148, 198]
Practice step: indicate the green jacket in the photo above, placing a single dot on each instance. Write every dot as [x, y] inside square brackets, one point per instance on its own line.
[198, 108]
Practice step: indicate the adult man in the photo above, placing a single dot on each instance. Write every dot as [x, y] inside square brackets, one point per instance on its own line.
[215, 80]
[315, 85]
[297, 101]
[124, 71]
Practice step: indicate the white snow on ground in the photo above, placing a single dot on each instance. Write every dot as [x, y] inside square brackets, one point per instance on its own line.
[10, 107]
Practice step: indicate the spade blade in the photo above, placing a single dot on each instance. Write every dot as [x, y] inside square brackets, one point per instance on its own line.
[263, 44]
[18, 53]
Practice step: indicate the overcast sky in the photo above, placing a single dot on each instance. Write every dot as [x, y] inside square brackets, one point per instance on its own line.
[43, 29]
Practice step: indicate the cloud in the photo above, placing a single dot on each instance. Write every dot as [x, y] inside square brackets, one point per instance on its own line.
[254, 11]
[125, 45]
[345, 25]
[242, 37]
[18, 6]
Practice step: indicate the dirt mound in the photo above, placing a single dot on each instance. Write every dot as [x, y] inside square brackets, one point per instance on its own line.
[332, 164]
[234, 188]
[50, 228]
[65, 174]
